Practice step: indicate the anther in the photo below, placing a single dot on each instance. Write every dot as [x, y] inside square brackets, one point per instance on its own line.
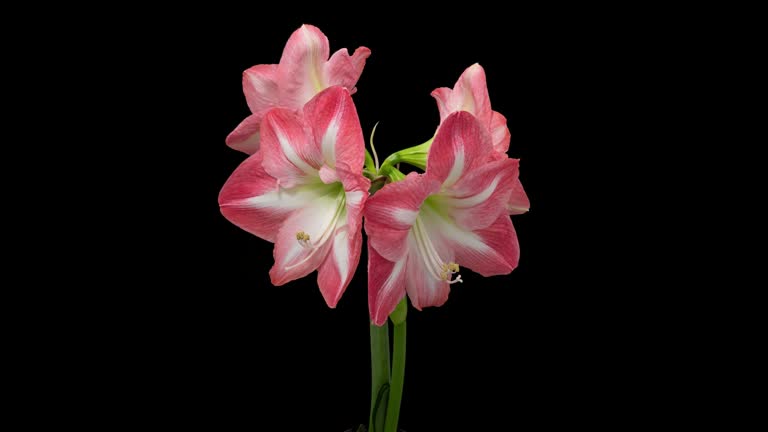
[303, 238]
[449, 270]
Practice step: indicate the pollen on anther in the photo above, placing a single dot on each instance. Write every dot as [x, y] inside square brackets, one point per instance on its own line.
[448, 270]
[302, 236]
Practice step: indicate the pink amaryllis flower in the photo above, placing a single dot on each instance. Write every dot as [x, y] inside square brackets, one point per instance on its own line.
[424, 227]
[471, 94]
[304, 70]
[304, 191]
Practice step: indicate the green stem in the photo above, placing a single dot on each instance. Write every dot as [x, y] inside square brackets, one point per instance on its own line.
[416, 156]
[392, 173]
[369, 165]
[379, 376]
[398, 377]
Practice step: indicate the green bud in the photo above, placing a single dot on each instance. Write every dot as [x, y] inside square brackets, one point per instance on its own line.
[400, 313]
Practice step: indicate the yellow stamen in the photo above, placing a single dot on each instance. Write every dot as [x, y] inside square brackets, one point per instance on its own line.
[449, 270]
[435, 266]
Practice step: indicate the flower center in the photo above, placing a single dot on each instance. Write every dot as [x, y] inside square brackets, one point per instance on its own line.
[436, 267]
[305, 240]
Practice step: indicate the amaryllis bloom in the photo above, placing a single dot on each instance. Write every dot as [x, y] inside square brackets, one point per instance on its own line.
[471, 94]
[424, 228]
[304, 191]
[304, 71]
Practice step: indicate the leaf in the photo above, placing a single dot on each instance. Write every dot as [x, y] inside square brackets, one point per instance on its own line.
[380, 409]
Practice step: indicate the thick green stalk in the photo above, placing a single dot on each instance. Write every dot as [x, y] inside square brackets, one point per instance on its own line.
[379, 376]
[398, 378]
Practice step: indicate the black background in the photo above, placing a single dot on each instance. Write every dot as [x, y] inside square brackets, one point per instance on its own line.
[142, 307]
[213, 343]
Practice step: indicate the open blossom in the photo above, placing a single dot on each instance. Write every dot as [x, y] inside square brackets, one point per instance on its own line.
[304, 191]
[424, 227]
[304, 70]
[471, 94]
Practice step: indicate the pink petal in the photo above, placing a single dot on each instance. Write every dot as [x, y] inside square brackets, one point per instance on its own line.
[300, 72]
[424, 289]
[344, 70]
[386, 285]
[290, 153]
[356, 188]
[292, 260]
[336, 127]
[490, 251]
[443, 95]
[339, 266]
[328, 175]
[518, 200]
[358, 58]
[478, 199]
[390, 213]
[260, 87]
[460, 146]
[471, 94]
[500, 133]
[250, 200]
[245, 137]
[337, 270]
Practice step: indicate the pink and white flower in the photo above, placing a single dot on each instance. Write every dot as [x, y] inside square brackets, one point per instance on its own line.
[304, 191]
[422, 228]
[304, 71]
[471, 94]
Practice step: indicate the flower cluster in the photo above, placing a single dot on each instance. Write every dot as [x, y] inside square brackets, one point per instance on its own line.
[306, 184]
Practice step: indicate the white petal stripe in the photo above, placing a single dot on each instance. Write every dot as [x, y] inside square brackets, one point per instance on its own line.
[387, 286]
[290, 153]
[458, 166]
[341, 254]
[476, 199]
[329, 142]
